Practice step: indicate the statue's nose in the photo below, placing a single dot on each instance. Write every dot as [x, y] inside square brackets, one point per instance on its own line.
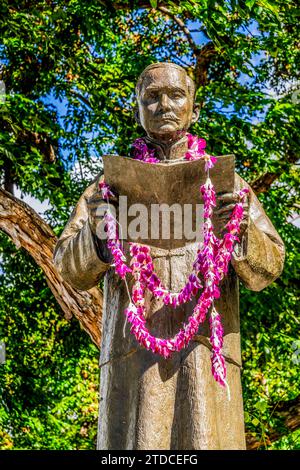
[165, 102]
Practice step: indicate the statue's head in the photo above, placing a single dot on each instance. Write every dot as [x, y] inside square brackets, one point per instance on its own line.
[165, 101]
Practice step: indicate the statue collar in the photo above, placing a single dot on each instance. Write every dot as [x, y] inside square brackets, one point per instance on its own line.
[175, 151]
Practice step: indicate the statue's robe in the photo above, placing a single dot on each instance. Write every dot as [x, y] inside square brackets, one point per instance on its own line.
[146, 401]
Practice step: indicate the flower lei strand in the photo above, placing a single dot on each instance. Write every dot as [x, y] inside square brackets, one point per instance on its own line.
[212, 262]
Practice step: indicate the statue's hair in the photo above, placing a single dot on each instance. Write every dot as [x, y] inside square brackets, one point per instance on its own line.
[190, 83]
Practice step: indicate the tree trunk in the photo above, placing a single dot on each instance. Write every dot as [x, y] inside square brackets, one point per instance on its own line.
[29, 231]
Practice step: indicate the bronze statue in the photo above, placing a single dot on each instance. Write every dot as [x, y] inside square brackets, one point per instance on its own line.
[147, 402]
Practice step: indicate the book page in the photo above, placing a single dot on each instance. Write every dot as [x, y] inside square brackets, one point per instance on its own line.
[175, 187]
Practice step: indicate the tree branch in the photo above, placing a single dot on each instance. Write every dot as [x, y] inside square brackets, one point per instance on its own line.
[29, 231]
[182, 26]
[262, 183]
[8, 179]
[84, 100]
[204, 55]
[204, 58]
[289, 412]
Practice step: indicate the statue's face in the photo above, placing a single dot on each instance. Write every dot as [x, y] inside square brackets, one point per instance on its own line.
[165, 105]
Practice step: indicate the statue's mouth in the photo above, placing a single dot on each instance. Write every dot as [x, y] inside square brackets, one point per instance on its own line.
[168, 118]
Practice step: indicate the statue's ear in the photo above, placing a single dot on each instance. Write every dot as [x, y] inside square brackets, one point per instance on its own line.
[196, 113]
[137, 115]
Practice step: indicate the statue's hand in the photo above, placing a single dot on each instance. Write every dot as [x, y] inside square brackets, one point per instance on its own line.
[225, 206]
[97, 207]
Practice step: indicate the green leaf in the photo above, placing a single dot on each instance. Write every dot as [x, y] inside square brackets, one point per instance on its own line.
[250, 3]
[255, 422]
[261, 406]
[153, 3]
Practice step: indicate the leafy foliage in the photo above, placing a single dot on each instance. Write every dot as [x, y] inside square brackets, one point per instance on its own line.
[70, 67]
[270, 332]
[49, 382]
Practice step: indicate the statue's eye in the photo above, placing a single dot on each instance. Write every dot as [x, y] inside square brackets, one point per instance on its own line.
[175, 95]
[152, 95]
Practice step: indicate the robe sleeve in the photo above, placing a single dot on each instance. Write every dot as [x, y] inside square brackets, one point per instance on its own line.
[258, 260]
[79, 256]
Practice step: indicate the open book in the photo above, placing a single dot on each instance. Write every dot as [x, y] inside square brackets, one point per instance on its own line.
[169, 188]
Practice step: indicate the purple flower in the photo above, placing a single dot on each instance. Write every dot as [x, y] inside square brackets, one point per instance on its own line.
[209, 162]
[196, 147]
[142, 152]
[216, 339]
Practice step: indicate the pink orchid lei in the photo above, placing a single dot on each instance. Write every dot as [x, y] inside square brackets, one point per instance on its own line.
[212, 263]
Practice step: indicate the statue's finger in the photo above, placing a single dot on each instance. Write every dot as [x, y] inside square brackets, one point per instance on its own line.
[100, 211]
[97, 197]
[227, 208]
[115, 197]
[227, 197]
[95, 212]
[101, 203]
[224, 217]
